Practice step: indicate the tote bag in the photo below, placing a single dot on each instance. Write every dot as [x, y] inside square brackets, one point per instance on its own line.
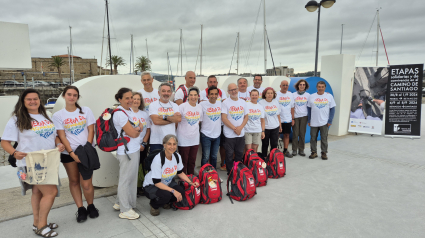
[43, 167]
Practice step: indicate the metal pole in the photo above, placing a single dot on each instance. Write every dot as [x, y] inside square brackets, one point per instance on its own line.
[147, 50]
[109, 36]
[237, 58]
[317, 43]
[265, 44]
[377, 39]
[32, 82]
[69, 62]
[72, 57]
[181, 52]
[342, 33]
[131, 51]
[25, 81]
[168, 67]
[201, 52]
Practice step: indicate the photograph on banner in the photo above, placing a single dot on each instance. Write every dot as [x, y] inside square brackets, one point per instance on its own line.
[368, 100]
[404, 101]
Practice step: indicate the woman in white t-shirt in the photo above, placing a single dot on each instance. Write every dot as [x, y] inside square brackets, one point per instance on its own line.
[128, 155]
[188, 130]
[144, 122]
[255, 127]
[272, 120]
[159, 185]
[33, 129]
[300, 119]
[75, 127]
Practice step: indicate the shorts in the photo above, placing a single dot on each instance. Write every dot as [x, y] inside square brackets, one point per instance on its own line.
[252, 138]
[222, 138]
[85, 173]
[286, 128]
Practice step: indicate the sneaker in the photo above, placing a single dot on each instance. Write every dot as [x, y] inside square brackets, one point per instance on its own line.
[130, 215]
[223, 168]
[301, 152]
[92, 211]
[154, 212]
[313, 155]
[294, 153]
[288, 154]
[81, 214]
[221, 180]
[166, 206]
[116, 207]
[324, 156]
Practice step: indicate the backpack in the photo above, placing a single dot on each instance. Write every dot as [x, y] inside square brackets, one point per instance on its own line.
[191, 195]
[242, 183]
[151, 156]
[276, 164]
[257, 167]
[106, 134]
[210, 185]
[183, 88]
[219, 92]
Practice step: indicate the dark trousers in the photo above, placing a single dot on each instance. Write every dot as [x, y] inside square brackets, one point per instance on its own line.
[314, 132]
[234, 145]
[162, 197]
[298, 133]
[188, 154]
[271, 137]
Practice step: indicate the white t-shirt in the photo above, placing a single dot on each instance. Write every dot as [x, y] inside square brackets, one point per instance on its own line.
[144, 123]
[180, 95]
[188, 128]
[272, 110]
[255, 113]
[75, 125]
[320, 107]
[244, 96]
[235, 111]
[286, 101]
[300, 104]
[158, 132]
[211, 119]
[41, 137]
[166, 173]
[203, 95]
[120, 119]
[260, 90]
[149, 98]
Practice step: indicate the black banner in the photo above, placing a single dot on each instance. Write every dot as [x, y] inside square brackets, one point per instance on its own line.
[403, 100]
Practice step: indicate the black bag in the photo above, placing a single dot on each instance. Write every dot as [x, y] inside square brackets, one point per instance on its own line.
[12, 160]
[151, 156]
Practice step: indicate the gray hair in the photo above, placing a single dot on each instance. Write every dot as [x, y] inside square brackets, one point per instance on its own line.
[164, 84]
[168, 138]
[146, 73]
[242, 78]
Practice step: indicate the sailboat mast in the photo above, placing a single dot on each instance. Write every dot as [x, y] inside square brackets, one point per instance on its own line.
[168, 67]
[147, 49]
[131, 51]
[181, 52]
[109, 36]
[265, 44]
[71, 72]
[377, 39]
[201, 52]
[237, 58]
[103, 38]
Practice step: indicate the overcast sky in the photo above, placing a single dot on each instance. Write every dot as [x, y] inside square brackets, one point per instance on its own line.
[291, 30]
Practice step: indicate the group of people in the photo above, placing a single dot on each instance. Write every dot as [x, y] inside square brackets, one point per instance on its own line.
[230, 121]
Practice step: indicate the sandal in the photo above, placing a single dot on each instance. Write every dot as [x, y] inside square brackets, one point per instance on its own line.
[50, 233]
[50, 225]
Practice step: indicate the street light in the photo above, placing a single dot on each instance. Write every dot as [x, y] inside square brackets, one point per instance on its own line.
[312, 6]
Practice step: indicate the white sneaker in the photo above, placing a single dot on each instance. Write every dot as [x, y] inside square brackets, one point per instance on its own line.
[116, 207]
[133, 212]
[129, 215]
[221, 180]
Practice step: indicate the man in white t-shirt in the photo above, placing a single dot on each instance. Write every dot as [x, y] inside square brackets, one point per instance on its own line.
[243, 91]
[235, 117]
[212, 81]
[258, 80]
[182, 91]
[149, 93]
[321, 111]
[164, 115]
[287, 104]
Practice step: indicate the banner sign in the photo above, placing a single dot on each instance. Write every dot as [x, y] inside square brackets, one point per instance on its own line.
[368, 100]
[404, 99]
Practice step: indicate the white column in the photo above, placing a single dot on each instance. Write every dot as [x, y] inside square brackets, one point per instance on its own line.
[338, 70]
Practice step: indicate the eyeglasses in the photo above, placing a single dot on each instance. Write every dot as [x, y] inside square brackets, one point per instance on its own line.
[285, 85]
[232, 90]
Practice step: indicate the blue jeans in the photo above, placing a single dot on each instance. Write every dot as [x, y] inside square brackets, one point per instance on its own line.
[209, 149]
[156, 147]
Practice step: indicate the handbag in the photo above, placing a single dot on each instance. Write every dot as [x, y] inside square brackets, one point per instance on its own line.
[12, 159]
[43, 167]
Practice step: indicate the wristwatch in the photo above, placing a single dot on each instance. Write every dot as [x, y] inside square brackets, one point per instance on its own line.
[144, 144]
[164, 117]
[172, 191]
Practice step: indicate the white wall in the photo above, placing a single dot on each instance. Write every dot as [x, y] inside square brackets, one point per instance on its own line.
[15, 50]
[7, 106]
[338, 70]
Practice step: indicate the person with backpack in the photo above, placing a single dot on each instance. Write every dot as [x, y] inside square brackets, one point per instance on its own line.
[164, 115]
[272, 120]
[321, 111]
[128, 154]
[159, 185]
[149, 93]
[145, 124]
[188, 130]
[300, 117]
[75, 127]
[181, 95]
[33, 129]
[212, 81]
[255, 127]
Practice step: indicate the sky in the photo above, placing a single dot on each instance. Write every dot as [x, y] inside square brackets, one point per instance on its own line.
[291, 31]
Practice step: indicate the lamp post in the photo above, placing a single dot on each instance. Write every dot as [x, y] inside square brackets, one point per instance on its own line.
[312, 6]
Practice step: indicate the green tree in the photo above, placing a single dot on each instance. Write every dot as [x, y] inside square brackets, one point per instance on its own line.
[58, 62]
[143, 64]
[116, 61]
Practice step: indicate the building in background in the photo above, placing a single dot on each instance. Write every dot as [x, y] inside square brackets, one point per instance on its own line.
[281, 71]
